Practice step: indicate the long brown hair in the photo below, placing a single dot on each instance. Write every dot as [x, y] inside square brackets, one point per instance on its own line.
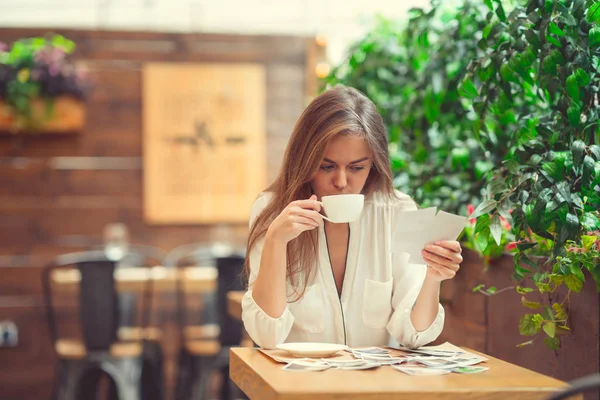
[338, 111]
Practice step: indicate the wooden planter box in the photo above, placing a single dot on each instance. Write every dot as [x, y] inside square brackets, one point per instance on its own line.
[491, 324]
[68, 116]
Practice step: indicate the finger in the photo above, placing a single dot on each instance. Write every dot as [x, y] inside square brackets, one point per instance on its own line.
[311, 203]
[444, 252]
[302, 227]
[314, 215]
[440, 260]
[444, 272]
[300, 219]
[452, 245]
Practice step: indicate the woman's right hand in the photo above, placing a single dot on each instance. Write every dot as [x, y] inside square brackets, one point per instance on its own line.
[297, 217]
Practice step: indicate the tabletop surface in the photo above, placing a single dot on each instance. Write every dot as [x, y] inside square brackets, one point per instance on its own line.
[262, 378]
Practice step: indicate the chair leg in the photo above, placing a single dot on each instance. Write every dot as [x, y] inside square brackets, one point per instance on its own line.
[126, 374]
[185, 373]
[70, 380]
[226, 392]
[152, 372]
[201, 378]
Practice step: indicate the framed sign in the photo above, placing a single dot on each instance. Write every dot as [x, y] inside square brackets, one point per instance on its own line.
[204, 141]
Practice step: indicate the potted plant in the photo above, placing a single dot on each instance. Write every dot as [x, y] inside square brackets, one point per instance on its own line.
[41, 88]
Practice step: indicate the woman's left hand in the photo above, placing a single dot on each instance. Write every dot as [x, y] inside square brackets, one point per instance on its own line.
[443, 259]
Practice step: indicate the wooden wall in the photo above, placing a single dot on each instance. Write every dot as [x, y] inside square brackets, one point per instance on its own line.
[57, 193]
[491, 324]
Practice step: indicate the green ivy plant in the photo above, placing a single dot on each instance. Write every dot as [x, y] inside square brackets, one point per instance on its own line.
[541, 71]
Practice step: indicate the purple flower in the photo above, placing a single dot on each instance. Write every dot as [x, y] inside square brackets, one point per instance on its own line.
[36, 74]
[3, 47]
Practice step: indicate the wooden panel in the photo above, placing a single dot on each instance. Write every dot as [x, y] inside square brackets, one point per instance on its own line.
[204, 142]
[579, 354]
[28, 369]
[35, 178]
[108, 124]
[466, 312]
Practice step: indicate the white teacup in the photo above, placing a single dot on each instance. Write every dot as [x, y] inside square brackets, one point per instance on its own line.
[342, 207]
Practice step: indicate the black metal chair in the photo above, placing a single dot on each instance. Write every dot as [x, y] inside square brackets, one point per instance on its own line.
[579, 386]
[200, 357]
[100, 349]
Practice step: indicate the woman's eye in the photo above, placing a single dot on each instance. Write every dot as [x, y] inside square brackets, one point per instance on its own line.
[327, 167]
[358, 168]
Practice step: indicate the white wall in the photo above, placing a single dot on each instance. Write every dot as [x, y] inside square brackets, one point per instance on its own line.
[340, 21]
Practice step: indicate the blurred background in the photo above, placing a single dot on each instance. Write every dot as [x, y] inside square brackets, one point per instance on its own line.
[135, 135]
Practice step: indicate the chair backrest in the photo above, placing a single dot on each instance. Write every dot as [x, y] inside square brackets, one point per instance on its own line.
[98, 302]
[229, 262]
[98, 309]
[180, 257]
[230, 278]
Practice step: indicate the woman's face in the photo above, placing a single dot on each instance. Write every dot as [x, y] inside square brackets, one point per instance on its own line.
[344, 168]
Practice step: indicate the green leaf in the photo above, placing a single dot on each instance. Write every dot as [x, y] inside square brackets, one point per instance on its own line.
[527, 343]
[554, 41]
[529, 325]
[572, 87]
[538, 319]
[467, 89]
[582, 77]
[552, 343]
[550, 329]
[524, 290]
[526, 245]
[588, 169]
[588, 241]
[595, 150]
[492, 290]
[484, 207]
[577, 149]
[482, 241]
[559, 311]
[593, 13]
[496, 229]
[460, 157]
[594, 36]
[500, 12]
[552, 170]
[576, 271]
[488, 3]
[530, 304]
[555, 30]
[547, 314]
[482, 168]
[507, 73]
[574, 113]
[556, 279]
[478, 287]
[573, 283]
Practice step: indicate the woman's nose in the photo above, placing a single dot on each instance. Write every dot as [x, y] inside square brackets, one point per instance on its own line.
[340, 180]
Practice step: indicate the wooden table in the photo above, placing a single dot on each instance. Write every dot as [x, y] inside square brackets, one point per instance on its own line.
[234, 303]
[194, 279]
[263, 379]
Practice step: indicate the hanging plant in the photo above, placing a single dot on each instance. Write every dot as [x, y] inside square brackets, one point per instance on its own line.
[41, 88]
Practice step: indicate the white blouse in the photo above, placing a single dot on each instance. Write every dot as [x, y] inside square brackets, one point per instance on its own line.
[379, 290]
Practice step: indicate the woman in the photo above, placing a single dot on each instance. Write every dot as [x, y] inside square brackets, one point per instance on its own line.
[315, 281]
